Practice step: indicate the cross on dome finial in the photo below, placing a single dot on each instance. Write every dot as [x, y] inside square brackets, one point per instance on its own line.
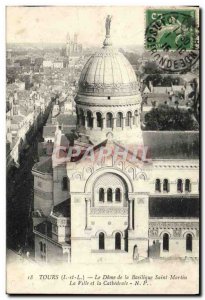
[107, 41]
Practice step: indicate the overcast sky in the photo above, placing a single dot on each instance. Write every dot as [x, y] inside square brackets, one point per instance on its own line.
[51, 24]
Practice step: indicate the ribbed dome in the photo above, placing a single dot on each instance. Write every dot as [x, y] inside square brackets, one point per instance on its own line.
[108, 73]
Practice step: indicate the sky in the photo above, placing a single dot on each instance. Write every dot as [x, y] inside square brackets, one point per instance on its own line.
[51, 24]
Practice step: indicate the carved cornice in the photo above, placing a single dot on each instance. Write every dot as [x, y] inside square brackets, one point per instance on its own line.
[175, 166]
[103, 104]
[173, 228]
[102, 89]
[109, 211]
[174, 224]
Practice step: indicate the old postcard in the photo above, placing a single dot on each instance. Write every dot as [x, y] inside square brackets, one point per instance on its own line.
[103, 119]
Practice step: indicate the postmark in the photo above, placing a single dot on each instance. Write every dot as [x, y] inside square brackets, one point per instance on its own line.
[172, 38]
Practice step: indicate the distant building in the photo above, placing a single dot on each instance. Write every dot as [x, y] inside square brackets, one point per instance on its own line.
[25, 111]
[72, 45]
[58, 64]
[47, 64]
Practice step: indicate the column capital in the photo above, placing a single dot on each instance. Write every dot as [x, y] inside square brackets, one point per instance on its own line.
[87, 199]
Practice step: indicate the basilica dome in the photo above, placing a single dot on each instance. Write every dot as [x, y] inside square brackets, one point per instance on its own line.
[108, 101]
[108, 73]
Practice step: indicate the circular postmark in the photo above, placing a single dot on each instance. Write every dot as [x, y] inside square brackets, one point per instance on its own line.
[172, 38]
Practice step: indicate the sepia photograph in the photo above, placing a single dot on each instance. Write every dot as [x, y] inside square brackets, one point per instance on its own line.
[103, 150]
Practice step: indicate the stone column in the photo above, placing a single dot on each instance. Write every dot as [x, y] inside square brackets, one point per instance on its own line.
[131, 121]
[130, 214]
[86, 123]
[113, 123]
[87, 212]
[84, 118]
[113, 195]
[135, 120]
[103, 123]
[123, 122]
[94, 122]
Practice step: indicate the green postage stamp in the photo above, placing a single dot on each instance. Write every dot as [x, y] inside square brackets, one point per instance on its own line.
[174, 32]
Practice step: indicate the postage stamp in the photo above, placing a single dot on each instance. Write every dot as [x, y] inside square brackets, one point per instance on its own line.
[172, 38]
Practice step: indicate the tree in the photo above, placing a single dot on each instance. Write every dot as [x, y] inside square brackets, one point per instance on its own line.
[144, 101]
[154, 102]
[151, 67]
[169, 118]
[177, 104]
[195, 97]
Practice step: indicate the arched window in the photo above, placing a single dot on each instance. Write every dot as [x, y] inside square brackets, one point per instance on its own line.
[165, 185]
[157, 185]
[165, 242]
[81, 118]
[128, 118]
[65, 184]
[117, 195]
[78, 118]
[99, 119]
[41, 246]
[90, 119]
[101, 195]
[119, 119]
[188, 242]
[135, 119]
[101, 241]
[109, 120]
[187, 185]
[117, 241]
[179, 185]
[109, 195]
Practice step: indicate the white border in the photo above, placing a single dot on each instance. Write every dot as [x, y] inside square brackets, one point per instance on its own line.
[3, 4]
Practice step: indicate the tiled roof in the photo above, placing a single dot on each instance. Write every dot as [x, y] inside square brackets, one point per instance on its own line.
[45, 228]
[17, 119]
[161, 89]
[172, 144]
[66, 119]
[44, 166]
[62, 209]
[178, 207]
[49, 130]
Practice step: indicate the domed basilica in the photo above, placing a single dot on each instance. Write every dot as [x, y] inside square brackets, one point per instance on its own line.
[115, 209]
[109, 100]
